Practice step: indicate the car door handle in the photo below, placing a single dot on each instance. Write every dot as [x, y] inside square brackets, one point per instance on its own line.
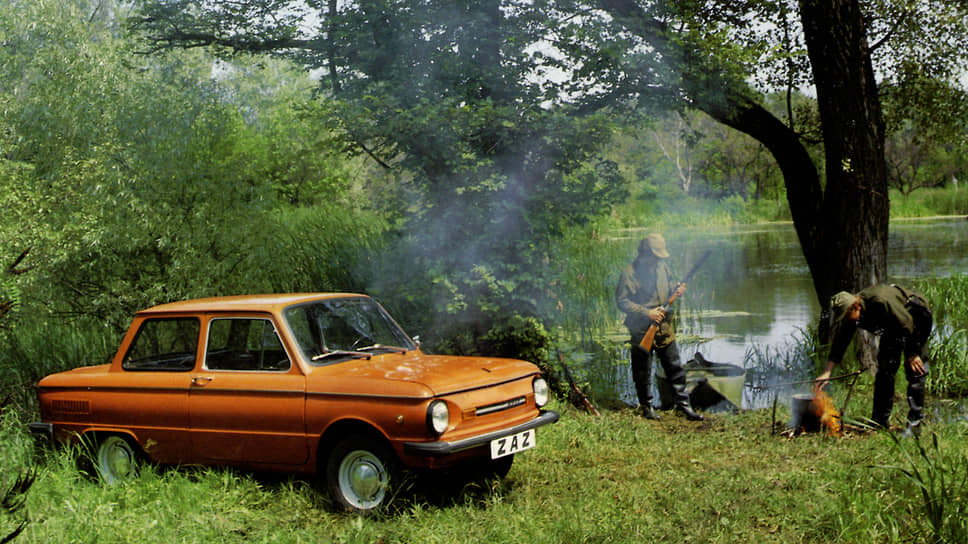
[201, 380]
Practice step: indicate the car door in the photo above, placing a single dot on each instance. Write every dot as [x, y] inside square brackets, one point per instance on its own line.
[149, 396]
[247, 402]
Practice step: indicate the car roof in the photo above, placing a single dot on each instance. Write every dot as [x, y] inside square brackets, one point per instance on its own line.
[242, 303]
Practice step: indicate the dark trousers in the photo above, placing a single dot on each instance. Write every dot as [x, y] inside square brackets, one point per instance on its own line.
[642, 372]
[889, 356]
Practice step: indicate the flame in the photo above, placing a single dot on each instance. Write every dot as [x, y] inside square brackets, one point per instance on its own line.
[823, 407]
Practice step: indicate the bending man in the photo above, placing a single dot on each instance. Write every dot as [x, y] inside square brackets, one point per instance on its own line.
[903, 321]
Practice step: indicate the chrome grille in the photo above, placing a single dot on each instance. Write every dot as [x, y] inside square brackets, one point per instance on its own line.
[500, 406]
[71, 406]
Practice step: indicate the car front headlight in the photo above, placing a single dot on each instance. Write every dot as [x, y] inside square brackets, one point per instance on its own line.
[438, 417]
[540, 391]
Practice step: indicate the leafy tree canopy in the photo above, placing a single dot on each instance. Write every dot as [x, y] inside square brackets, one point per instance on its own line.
[450, 99]
[137, 180]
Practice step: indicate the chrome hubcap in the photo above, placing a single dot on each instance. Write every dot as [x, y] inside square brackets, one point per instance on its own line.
[115, 459]
[363, 479]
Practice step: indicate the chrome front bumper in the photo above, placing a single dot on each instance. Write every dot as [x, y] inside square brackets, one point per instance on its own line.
[442, 448]
[45, 430]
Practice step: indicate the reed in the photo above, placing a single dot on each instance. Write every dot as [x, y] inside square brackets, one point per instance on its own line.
[951, 200]
[948, 344]
[939, 475]
[37, 348]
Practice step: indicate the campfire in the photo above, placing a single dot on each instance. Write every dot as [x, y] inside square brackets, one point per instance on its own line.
[815, 413]
[823, 408]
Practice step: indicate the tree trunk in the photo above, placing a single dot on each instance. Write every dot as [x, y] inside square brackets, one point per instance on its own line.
[855, 208]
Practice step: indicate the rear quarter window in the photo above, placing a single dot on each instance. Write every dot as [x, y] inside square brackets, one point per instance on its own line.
[165, 344]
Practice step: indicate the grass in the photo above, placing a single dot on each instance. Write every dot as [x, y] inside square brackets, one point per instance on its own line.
[952, 200]
[613, 478]
[940, 477]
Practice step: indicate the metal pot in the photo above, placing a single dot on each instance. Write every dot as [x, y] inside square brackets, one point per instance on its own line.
[804, 410]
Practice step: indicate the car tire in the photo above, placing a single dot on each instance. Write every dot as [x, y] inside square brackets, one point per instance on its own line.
[499, 468]
[360, 473]
[116, 459]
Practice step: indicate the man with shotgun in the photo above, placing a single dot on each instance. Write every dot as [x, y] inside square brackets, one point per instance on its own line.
[644, 292]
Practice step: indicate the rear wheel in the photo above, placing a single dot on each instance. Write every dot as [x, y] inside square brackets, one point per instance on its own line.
[116, 459]
[359, 473]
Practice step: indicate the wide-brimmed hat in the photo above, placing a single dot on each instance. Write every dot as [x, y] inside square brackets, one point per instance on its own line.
[839, 304]
[656, 244]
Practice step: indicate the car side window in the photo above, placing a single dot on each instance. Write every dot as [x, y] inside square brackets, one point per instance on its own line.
[244, 344]
[166, 344]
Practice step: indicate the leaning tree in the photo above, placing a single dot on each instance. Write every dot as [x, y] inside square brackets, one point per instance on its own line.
[719, 57]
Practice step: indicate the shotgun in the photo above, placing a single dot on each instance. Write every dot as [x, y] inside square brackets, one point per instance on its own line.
[574, 387]
[649, 337]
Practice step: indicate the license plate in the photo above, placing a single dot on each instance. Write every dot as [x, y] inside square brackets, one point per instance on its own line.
[512, 443]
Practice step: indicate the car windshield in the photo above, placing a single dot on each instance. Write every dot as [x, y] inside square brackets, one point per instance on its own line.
[336, 329]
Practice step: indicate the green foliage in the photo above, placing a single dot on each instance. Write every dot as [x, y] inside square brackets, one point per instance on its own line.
[518, 336]
[951, 200]
[328, 247]
[483, 178]
[38, 347]
[949, 342]
[10, 297]
[949, 371]
[917, 161]
[142, 180]
[585, 265]
[939, 476]
[17, 477]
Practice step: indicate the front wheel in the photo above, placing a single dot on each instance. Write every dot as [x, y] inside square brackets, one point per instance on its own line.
[116, 459]
[359, 473]
[499, 468]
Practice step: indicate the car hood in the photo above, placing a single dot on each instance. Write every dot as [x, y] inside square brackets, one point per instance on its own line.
[416, 374]
[69, 377]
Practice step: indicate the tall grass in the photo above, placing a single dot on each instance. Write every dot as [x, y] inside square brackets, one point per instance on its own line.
[952, 200]
[16, 476]
[34, 349]
[948, 298]
[939, 475]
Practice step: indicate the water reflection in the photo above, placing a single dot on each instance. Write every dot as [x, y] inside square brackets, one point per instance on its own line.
[753, 300]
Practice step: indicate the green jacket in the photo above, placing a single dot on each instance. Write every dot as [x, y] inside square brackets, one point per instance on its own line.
[641, 288]
[885, 311]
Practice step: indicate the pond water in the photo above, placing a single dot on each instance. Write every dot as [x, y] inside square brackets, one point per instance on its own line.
[754, 297]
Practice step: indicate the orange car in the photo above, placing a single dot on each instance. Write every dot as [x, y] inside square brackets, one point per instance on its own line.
[323, 384]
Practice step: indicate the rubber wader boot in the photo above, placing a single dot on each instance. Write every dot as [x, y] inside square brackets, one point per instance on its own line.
[915, 400]
[648, 412]
[913, 429]
[687, 411]
[682, 398]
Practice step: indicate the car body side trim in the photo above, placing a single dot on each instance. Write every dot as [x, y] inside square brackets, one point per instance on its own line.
[366, 395]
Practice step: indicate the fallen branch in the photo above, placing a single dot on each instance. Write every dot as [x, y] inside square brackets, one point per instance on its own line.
[574, 387]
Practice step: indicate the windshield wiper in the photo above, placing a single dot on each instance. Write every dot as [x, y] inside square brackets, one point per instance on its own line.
[341, 353]
[375, 347]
